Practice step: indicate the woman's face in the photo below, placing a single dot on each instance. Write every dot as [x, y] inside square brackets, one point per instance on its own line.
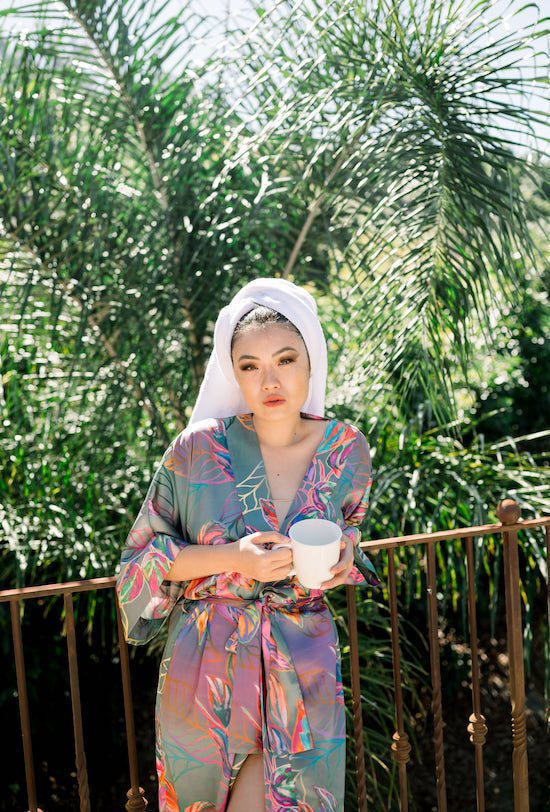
[271, 366]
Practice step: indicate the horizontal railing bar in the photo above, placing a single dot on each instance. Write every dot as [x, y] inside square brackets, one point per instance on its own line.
[57, 589]
[46, 590]
[456, 533]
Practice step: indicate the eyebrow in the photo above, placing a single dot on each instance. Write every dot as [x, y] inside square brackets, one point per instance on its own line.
[277, 352]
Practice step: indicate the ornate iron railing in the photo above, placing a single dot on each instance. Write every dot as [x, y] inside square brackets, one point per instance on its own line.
[507, 512]
[136, 800]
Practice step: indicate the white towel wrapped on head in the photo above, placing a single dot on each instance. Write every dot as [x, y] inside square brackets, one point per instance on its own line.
[219, 394]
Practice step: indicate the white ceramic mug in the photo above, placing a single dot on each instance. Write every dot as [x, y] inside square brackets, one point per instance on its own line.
[315, 545]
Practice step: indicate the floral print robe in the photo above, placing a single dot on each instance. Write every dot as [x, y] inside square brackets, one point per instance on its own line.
[248, 667]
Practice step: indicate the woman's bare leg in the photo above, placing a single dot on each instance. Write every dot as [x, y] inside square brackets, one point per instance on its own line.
[248, 792]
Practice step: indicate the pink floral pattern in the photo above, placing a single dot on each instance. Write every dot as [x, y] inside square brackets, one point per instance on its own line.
[248, 667]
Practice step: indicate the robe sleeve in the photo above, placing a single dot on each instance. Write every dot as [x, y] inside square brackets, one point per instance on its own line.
[158, 534]
[356, 483]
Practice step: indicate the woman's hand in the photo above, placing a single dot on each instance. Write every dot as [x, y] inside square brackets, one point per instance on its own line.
[257, 560]
[342, 569]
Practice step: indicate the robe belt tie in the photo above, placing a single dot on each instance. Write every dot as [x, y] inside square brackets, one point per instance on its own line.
[259, 660]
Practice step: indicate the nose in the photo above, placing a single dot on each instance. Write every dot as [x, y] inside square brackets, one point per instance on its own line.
[270, 380]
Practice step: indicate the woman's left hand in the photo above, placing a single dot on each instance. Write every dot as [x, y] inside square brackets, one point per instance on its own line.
[342, 569]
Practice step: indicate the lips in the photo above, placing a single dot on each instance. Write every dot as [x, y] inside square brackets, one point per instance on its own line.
[273, 401]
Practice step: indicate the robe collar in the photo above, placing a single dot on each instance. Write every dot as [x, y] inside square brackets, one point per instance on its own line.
[251, 480]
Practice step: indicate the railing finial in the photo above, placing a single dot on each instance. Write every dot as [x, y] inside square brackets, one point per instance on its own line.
[136, 800]
[477, 729]
[508, 511]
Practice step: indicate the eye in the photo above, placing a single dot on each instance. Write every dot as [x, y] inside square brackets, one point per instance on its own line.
[247, 367]
[286, 360]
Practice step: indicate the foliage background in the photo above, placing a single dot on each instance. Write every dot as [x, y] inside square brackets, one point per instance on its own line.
[368, 150]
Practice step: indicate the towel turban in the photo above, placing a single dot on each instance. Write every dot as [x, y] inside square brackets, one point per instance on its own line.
[219, 394]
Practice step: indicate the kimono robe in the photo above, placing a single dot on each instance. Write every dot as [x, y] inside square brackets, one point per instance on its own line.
[248, 667]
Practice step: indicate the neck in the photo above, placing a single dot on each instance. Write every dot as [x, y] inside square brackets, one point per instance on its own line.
[280, 433]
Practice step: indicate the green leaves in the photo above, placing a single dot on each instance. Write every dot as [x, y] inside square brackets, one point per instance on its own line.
[362, 148]
[394, 123]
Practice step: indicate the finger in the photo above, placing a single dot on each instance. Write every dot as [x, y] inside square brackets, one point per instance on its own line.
[345, 561]
[339, 572]
[338, 577]
[346, 543]
[338, 580]
[337, 568]
[332, 583]
[284, 570]
[282, 557]
[255, 538]
[280, 573]
[278, 538]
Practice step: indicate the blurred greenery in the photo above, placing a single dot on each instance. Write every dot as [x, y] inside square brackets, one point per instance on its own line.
[370, 150]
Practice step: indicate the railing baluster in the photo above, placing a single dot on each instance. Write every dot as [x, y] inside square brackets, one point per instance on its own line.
[477, 727]
[23, 704]
[81, 769]
[401, 747]
[135, 795]
[136, 800]
[437, 701]
[357, 708]
[508, 513]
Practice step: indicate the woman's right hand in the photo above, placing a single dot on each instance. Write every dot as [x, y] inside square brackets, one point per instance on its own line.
[257, 559]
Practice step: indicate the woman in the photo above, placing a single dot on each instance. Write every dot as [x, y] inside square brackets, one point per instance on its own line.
[249, 712]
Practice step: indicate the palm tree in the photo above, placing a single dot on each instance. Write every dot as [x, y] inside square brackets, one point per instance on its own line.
[120, 228]
[371, 142]
[400, 126]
